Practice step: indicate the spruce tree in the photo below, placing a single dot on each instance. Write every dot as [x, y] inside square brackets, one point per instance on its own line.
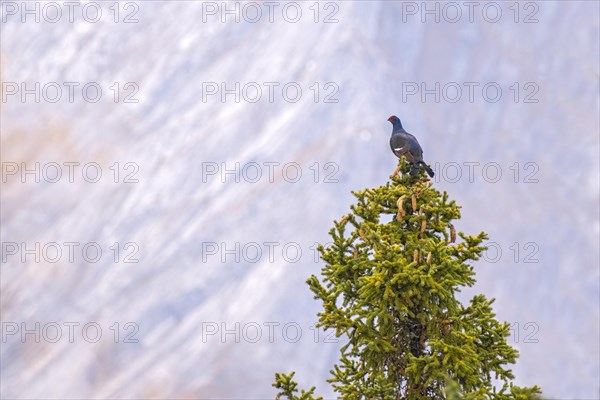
[389, 287]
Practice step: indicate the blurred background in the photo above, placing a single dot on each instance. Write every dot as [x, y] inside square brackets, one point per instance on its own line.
[167, 168]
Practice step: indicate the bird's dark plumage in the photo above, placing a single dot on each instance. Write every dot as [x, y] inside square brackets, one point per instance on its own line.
[405, 144]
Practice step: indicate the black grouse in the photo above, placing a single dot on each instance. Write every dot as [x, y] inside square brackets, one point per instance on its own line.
[405, 144]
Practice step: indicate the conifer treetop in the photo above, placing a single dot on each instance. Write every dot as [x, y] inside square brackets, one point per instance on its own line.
[389, 284]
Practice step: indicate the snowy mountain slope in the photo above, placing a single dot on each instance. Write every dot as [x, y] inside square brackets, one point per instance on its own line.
[177, 293]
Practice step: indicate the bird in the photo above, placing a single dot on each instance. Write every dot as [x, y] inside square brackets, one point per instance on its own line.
[405, 144]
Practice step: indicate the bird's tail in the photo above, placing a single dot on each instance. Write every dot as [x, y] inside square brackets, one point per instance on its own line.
[427, 169]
